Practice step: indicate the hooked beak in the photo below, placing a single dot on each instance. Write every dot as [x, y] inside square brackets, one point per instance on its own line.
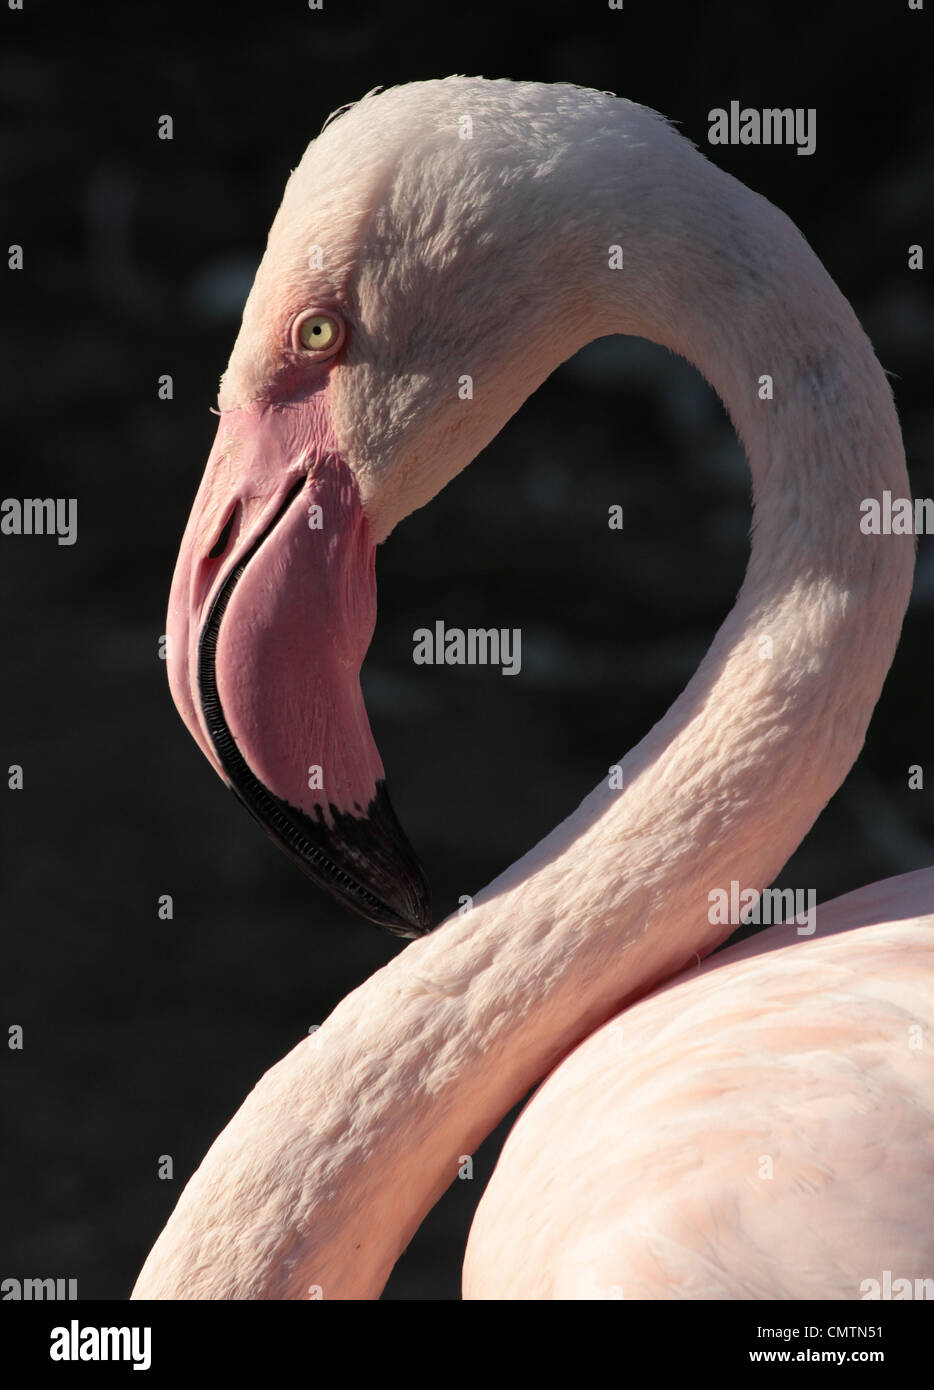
[272, 608]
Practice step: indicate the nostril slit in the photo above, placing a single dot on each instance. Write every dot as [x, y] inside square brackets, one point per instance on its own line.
[224, 537]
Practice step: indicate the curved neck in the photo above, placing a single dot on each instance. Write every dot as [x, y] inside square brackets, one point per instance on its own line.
[325, 1173]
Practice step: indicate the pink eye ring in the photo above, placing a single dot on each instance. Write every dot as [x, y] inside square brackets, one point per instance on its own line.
[318, 333]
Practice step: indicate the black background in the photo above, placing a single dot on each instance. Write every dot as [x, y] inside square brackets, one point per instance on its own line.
[143, 1036]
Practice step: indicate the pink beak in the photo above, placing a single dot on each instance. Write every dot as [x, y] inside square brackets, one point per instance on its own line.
[272, 609]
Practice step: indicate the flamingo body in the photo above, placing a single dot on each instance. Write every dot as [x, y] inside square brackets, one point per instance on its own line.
[761, 1127]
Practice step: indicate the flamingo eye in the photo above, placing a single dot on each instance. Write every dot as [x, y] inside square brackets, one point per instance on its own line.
[319, 333]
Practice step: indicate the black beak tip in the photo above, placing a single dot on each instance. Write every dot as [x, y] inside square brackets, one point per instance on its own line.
[408, 913]
[364, 862]
[388, 885]
[410, 918]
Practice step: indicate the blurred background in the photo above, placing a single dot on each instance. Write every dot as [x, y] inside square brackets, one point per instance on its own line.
[141, 1036]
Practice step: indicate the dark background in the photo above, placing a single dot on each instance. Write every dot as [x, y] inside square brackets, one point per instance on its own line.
[143, 1036]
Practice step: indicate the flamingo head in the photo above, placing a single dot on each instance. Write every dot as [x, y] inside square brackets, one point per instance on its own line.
[372, 364]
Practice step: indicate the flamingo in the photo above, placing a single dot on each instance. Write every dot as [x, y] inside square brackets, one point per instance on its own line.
[754, 1125]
